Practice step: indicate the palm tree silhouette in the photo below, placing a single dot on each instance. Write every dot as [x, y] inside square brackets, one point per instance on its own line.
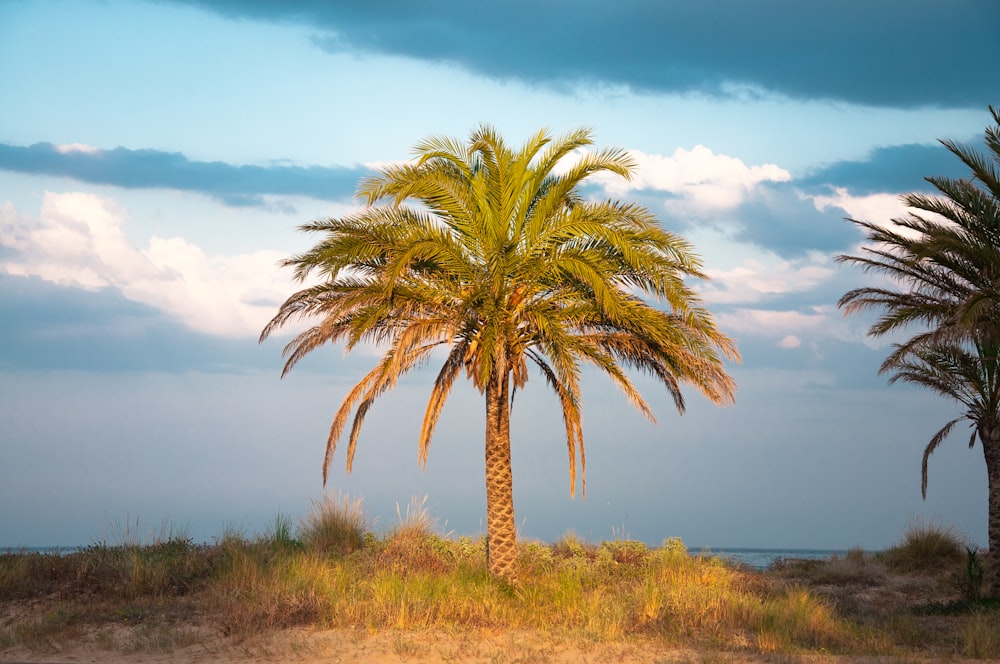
[944, 276]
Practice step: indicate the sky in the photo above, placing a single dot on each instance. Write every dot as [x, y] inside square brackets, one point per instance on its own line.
[157, 157]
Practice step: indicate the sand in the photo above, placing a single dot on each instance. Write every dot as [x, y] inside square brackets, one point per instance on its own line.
[313, 646]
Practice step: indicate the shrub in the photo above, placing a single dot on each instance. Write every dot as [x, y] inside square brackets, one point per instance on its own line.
[973, 573]
[926, 547]
[335, 525]
[571, 545]
[626, 552]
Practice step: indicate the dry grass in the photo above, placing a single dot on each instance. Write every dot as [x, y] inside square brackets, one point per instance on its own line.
[331, 573]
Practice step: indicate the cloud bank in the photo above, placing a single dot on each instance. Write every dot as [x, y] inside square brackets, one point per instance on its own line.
[78, 240]
[134, 169]
[893, 53]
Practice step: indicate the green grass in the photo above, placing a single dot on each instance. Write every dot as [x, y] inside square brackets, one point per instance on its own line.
[330, 572]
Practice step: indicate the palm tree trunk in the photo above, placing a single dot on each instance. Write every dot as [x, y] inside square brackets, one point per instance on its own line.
[989, 435]
[501, 534]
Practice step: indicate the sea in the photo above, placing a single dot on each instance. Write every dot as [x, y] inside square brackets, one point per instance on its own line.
[755, 558]
[764, 558]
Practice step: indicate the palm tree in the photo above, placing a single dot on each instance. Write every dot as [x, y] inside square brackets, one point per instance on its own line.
[944, 275]
[494, 255]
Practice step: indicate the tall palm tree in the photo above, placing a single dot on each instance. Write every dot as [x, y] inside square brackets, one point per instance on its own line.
[495, 255]
[944, 276]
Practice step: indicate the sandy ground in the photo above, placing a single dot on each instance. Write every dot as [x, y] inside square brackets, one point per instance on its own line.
[309, 646]
[198, 641]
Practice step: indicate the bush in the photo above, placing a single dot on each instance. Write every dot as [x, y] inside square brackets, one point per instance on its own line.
[336, 525]
[926, 547]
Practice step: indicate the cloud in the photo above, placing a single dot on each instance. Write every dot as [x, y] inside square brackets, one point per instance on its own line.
[78, 240]
[780, 324]
[66, 328]
[132, 169]
[699, 180]
[873, 207]
[753, 281]
[894, 53]
[778, 217]
[758, 205]
[791, 341]
[897, 168]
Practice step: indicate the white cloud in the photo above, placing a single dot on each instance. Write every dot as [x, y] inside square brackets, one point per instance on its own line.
[791, 341]
[79, 240]
[702, 180]
[791, 328]
[76, 147]
[752, 280]
[879, 209]
[763, 322]
[379, 165]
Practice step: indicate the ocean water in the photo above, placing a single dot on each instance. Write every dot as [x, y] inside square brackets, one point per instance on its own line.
[763, 558]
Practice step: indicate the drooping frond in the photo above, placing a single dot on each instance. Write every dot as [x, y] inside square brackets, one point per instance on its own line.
[929, 450]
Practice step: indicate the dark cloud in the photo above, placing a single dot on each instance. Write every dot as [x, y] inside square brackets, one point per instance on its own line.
[57, 327]
[52, 327]
[778, 218]
[894, 53]
[133, 169]
[893, 169]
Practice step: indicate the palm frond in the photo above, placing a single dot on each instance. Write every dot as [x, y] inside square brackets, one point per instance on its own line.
[931, 446]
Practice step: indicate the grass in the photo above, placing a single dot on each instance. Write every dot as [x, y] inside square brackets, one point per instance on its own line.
[926, 546]
[329, 571]
[334, 525]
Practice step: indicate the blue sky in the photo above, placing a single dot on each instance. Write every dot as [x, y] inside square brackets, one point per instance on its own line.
[156, 157]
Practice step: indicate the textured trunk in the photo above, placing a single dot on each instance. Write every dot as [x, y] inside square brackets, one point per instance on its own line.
[989, 435]
[501, 535]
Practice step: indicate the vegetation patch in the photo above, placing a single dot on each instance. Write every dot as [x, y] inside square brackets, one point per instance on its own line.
[324, 573]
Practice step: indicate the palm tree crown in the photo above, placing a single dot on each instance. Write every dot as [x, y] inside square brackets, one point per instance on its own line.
[494, 255]
[945, 265]
[943, 261]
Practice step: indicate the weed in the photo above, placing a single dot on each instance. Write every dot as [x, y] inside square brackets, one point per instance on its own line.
[416, 523]
[970, 579]
[280, 535]
[407, 648]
